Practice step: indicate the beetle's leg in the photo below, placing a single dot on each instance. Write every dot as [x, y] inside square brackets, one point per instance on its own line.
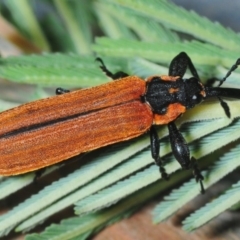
[155, 149]
[179, 65]
[196, 173]
[38, 174]
[181, 153]
[114, 76]
[209, 83]
[60, 91]
[225, 107]
[223, 103]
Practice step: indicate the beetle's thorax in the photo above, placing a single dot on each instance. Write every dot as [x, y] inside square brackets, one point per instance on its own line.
[162, 91]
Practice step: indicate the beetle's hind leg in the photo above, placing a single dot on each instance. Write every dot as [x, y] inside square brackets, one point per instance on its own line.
[114, 76]
[181, 153]
[196, 173]
[155, 149]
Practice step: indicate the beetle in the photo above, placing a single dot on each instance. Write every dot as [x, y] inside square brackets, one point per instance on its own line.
[44, 132]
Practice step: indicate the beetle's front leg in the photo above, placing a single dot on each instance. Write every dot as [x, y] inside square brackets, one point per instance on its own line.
[181, 153]
[155, 149]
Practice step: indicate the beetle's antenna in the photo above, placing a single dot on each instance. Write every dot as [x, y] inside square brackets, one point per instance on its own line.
[233, 68]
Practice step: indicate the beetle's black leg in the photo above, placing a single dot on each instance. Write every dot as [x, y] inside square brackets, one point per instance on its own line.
[38, 174]
[225, 107]
[181, 153]
[155, 149]
[196, 173]
[234, 67]
[114, 76]
[209, 83]
[179, 65]
[60, 91]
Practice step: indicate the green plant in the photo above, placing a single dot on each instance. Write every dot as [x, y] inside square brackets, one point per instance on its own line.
[140, 37]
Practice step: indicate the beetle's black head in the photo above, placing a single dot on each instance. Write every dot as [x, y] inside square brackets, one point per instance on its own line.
[194, 92]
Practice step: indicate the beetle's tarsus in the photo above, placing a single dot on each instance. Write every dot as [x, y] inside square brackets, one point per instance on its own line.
[114, 76]
[225, 107]
[197, 173]
[60, 91]
[163, 172]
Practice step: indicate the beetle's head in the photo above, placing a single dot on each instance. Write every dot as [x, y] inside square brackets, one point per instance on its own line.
[194, 92]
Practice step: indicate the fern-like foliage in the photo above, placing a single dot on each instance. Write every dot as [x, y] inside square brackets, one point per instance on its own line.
[140, 38]
[50, 70]
[227, 163]
[188, 191]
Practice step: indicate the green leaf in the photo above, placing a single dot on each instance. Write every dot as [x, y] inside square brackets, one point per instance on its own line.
[189, 190]
[163, 52]
[212, 209]
[145, 29]
[24, 17]
[78, 35]
[77, 226]
[181, 20]
[145, 33]
[65, 70]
